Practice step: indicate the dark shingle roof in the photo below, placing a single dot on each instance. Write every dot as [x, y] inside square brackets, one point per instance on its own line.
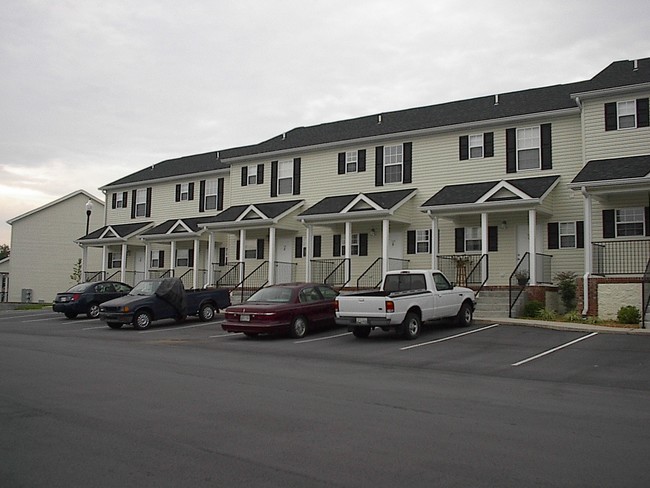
[331, 205]
[614, 169]
[270, 210]
[166, 226]
[122, 230]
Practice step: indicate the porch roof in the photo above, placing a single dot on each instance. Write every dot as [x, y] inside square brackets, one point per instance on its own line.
[491, 195]
[624, 174]
[114, 233]
[357, 206]
[173, 228]
[252, 215]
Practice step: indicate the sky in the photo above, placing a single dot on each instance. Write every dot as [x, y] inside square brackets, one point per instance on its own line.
[91, 91]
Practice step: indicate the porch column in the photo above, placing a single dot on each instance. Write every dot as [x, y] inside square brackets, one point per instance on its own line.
[210, 258]
[272, 255]
[195, 264]
[348, 250]
[385, 234]
[104, 261]
[484, 243]
[242, 249]
[309, 253]
[532, 245]
[147, 257]
[587, 203]
[172, 258]
[84, 260]
[434, 242]
[123, 265]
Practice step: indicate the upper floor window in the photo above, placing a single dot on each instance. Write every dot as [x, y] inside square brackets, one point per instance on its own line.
[184, 191]
[352, 162]
[285, 177]
[211, 194]
[252, 174]
[630, 222]
[141, 202]
[393, 161]
[627, 114]
[120, 200]
[528, 148]
[476, 146]
[393, 164]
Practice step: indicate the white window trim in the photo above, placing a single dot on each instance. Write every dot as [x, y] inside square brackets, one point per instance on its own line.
[573, 234]
[469, 237]
[141, 202]
[624, 113]
[211, 191]
[639, 210]
[119, 200]
[422, 237]
[397, 153]
[185, 191]
[351, 158]
[470, 146]
[251, 178]
[154, 261]
[354, 246]
[183, 255]
[529, 146]
[285, 173]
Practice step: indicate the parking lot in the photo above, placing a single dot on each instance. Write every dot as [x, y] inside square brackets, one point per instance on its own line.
[181, 404]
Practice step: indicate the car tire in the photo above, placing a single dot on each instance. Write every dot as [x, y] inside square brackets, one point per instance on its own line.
[114, 325]
[298, 328]
[361, 332]
[411, 327]
[93, 311]
[206, 312]
[465, 315]
[71, 315]
[142, 320]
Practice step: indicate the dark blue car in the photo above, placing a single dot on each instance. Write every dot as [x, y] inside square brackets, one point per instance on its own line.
[86, 298]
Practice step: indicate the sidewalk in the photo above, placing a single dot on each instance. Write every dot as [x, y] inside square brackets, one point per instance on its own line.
[569, 326]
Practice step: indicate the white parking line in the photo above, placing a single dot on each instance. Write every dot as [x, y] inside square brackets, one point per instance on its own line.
[228, 334]
[550, 351]
[448, 338]
[18, 317]
[35, 320]
[93, 328]
[321, 338]
[202, 324]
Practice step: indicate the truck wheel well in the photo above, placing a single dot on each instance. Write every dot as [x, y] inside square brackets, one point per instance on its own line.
[144, 309]
[415, 310]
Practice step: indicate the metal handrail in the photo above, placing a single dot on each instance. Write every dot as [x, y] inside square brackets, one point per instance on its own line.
[645, 293]
[344, 262]
[478, 269]
[371, 269]
[227, 277]
[264, 264]
[620, 257]
[520, 269]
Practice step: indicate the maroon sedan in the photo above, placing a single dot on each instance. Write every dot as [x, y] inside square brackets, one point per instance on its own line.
[290, 307]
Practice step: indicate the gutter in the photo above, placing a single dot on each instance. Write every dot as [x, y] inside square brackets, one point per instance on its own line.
[585, 277]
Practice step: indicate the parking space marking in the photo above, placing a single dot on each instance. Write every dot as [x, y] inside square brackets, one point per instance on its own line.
[550, 351]
[35, 320]
[17, 317]
[321, 338]
[202, 324]
[227, 334]
[448, 338]
[93, 328]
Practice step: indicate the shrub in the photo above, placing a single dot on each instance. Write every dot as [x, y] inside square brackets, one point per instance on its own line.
[566, 283]
[532, 308]
[628, 315]
[573, 316]
[546, 314]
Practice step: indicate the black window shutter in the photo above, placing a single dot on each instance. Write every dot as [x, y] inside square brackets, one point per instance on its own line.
[511, 150]
[608, 224]
[547, 156]
[161, 259]
[410, 242]
[379, 166]
[178, 193]
[133, 195]
[407, 177]
[296, 176]
[553, 231]
[202, 196]
[611, 122]
[110, 260]
[125, 198]
[298, 247]
[317, 246]
[642, 113]
[148, 210]
[580, 234]
[336, 243]
[341, 170]
[463, 147]
[274, 178]
[190, 191]
[237, 253]
[222, 256]
[363, 244]
[361, 160]
[244, 175]
[114, 201]
[220, 183]
[488, 144]
[493, 238]
[647, 221]
[190, 258]
[260, 174]
[459, 239]
[260, 248]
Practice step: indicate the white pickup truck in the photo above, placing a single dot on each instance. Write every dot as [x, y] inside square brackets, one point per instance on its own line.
[406, 299]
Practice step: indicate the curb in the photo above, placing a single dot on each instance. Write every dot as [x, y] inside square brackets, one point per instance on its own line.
[567, 326]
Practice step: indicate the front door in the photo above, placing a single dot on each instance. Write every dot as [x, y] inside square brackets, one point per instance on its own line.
[139, 266]
[396, 250]
[283, 260]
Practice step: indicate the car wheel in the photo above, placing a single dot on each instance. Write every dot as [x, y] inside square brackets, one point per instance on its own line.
[114, 325]
[298, 327]
[93, 311]
[411, 326]
[465, 315]
[206, 312]
[361, 332]
[71, 315]
[142, 320]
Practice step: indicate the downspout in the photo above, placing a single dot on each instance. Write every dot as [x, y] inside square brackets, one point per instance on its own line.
[588, 251]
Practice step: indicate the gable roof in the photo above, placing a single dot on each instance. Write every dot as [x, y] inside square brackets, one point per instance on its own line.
[613, 169]
[114, 233]
[94, 199]
[384, 200]
[262, 214]
[176, 227]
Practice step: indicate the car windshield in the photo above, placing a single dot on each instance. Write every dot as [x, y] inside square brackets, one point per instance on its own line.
[80, 288]
[274, 294]
[146, 288]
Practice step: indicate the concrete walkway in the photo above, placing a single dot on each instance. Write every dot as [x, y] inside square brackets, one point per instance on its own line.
[563, 325]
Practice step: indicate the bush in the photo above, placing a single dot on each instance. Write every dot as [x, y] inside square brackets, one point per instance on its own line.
[532, 309]
[566, 283]
[628, 315]
[546, 314]
[573, 316]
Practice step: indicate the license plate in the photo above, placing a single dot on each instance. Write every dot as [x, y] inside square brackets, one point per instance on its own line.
[362, 320]
[245, 318]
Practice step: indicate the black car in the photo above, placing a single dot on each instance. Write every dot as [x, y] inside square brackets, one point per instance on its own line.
[86, 297]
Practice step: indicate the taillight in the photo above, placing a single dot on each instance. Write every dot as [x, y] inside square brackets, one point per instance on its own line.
[75, 297]
[336, 305]
[390, 306]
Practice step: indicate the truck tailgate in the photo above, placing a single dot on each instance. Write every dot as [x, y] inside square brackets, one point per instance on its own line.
[361, 306]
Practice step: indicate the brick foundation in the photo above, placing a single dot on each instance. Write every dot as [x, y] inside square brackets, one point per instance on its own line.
[593, 291]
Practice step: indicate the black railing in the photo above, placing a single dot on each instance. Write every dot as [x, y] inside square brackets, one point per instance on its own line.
[622, 257]
[159, 273]
[645, 292]
[518, 281]
[543, 268]
[463, 269]
[330, 271]
[284, 272]
[255, 280]
[229, 275]
[397, 263]
[94, 276]
[478, 275]
[371, 277]
[187, 279]
[4, 287]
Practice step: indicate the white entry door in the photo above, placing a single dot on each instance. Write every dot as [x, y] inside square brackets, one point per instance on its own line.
[283, 259]
[395, 250]
[139, 266]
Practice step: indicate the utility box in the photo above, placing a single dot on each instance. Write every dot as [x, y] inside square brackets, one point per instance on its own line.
[26, 295]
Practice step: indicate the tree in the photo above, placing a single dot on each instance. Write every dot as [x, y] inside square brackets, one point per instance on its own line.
[4, 251]
[76, 272]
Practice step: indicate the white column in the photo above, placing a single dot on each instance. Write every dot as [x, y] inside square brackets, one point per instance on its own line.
[589, 263]
[272, 255]
[385, 234]
[532, 232]
[147, 258]
[484, 243]
[310, 251]
[104, 260]
[242, 249]
[210, 258]
[84, 260]
[123, 267]
[172, 259]
[195, 264]
[348, 250]
[434, 243]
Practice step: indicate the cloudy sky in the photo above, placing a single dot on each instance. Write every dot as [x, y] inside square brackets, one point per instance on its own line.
[94, 90]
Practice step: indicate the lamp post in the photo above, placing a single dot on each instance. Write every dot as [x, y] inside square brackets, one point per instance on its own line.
[89, 210]
[84, 259]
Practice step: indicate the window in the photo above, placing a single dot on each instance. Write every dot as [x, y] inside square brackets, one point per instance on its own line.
[393, 162]
[351, 162]
[567, 234]
[630, 222]
[626, 114]
[422, 241]
[354, 245]
[211, 194]
[141, 203]
[157, 259]
[441, 282]
[309, 295]
[252, 175]
[185, 191]
[328, 293]
[472, 239]
[528, 148]
[285, 177]
[114, 260]
[120, 200]
[476, 146]
[183, 257]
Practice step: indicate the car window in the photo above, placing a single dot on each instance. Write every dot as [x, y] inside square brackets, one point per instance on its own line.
[105, 288]
[327, 292]
[274, 294]
[441, 282]
[309, 295]
[404, 282]
[80, 288]
[121, 288]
